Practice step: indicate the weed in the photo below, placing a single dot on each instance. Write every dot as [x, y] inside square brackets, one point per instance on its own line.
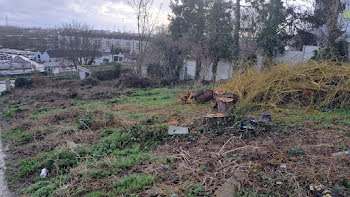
[96, 194]
[195, 190]
[11, 110]
[58, 162]
[41, 111]
[116, 140]
[295, 151]
[132, 183]
[202, 167]
[136, 116]
[86, 121]
[99, 174]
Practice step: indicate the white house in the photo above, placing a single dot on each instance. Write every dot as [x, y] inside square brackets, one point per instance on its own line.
[45, 57]
[37, 55]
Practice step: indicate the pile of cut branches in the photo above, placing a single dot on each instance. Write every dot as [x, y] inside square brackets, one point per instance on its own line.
[314, 84]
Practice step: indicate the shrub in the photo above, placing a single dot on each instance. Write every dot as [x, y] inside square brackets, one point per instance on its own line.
[89, 81]
[38, 79]
[23, 83]
[110, 74]
[130, 79]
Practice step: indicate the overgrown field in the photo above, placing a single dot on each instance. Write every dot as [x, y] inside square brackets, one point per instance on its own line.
[100, 139]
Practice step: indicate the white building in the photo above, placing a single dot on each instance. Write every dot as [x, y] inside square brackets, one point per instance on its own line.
[129, 45]
[45, 57]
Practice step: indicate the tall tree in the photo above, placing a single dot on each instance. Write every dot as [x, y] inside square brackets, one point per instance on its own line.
[272, 35]
[145, 28]
[219, 31]
[189, 22]
[78, 43]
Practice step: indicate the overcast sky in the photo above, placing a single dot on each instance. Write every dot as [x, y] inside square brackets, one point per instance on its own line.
[101, 14]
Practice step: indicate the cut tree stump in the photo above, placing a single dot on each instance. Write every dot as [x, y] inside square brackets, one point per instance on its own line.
[224, 104]
[203, 96]
[213, 117]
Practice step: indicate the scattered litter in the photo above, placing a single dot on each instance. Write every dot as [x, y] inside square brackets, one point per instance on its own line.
[341, 153]
[175, 130]
[186, 98]
[319, 190]
[72, 145]
[266, 117]
[283, 166]
[43, 173]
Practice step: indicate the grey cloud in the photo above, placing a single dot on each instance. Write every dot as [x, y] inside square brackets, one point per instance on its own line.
[102, 14]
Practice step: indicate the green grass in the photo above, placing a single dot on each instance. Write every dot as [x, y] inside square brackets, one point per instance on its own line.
[132, 183]
[40, 112]
[136, 116]
[11, 110]
[295, 151]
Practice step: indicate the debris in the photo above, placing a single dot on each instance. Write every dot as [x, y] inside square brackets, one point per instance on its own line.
[317, 84]
[283, 166]
[246, 125]
[319, 190]
[175, 130]
[187, 98]
[341, 153]
[72, 145]
[43, 173]
[210, 117]
[266, 117]
[230, 187]
[218, 115]
[203, 96]
[129, 79]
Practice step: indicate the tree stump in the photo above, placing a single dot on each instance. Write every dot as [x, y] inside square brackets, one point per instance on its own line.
[224, 104]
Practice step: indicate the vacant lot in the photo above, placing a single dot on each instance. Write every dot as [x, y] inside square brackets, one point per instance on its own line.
[104, 140]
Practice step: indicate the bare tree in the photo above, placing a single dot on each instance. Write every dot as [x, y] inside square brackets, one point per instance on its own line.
[78, 43]
[145, 28]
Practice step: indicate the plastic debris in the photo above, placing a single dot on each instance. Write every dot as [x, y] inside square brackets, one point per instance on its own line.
[266, 117]
[341, 153]
[43, 173]
[175, 130]
[283, 166]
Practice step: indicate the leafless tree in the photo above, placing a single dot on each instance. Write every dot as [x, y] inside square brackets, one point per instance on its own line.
[78, 43]
[145, 27]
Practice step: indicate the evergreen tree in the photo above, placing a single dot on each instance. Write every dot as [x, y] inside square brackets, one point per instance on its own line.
[188, 22]
[272, 36]
[219, 31]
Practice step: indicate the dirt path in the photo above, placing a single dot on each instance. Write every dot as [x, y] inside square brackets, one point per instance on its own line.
[4, 191]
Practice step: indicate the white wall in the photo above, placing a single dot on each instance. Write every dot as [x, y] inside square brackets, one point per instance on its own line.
[294, 57]
[224, 71]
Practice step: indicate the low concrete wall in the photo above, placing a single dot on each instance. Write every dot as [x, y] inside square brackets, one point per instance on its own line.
[224, 71]
[294, 57]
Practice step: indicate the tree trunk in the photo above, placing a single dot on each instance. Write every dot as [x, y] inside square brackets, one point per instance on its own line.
[215, 68]
[224, 104]
[198, 67]
[237, 29]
